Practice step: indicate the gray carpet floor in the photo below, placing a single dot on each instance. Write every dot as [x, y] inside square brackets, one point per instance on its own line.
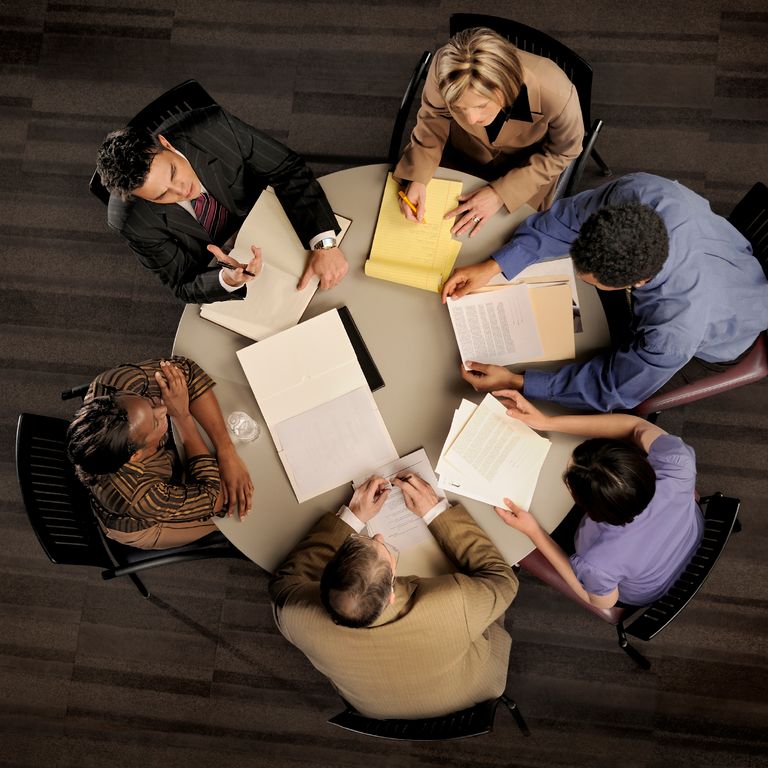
[91, 674]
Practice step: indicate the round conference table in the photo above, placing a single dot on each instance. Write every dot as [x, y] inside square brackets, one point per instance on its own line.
[409, 335]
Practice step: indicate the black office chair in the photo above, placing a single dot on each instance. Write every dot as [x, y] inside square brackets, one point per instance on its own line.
[404, 111]
[644, 623]
[177, 101]
[528, 39]
[59, 510]
[750, 217]
[474, 721]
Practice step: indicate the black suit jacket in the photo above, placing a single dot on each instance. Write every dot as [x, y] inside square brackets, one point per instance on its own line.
[235, 162]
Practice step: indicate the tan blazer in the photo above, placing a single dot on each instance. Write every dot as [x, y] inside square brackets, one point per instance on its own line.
[553, 139]
[436, 649]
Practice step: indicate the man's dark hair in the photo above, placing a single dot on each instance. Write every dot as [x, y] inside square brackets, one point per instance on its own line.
[98, 439]
[620, 245]
[356, 584]
[124, 158]
[611, 480]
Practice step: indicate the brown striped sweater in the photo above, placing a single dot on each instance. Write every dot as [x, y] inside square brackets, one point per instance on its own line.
[158, 489]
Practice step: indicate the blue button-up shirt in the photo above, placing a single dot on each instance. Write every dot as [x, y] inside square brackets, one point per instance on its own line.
[710, 299]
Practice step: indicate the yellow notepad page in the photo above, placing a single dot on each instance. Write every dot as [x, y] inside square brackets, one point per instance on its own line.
[419, 255]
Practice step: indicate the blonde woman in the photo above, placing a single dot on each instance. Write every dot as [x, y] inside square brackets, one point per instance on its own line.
[505, 115]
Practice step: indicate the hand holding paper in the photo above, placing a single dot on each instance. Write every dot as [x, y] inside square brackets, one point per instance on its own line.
[518, 518]
[485, 378]
[417, 492]
[369, 498]
[520, 408]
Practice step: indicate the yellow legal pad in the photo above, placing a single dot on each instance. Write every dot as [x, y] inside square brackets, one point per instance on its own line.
[419, 255]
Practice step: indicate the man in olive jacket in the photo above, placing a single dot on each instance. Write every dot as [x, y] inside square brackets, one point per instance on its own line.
[398, 646]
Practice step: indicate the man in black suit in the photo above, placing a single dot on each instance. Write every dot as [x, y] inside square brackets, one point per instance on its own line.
[178, 195]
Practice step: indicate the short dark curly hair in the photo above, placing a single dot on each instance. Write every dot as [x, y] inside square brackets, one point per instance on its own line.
[98, 439]
[124, 158]
[356, 584]
[620, 245]
[611, 480]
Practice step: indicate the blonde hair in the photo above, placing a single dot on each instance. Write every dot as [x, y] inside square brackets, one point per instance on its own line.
[480, 59]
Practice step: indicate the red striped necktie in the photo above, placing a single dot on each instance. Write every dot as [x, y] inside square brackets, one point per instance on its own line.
[211, 214]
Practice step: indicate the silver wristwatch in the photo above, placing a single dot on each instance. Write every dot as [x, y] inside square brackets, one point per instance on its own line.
[325, 244]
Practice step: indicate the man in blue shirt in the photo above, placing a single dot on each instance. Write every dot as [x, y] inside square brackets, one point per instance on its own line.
[699, 297]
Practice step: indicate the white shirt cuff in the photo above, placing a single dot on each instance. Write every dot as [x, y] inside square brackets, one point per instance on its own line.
[357, 525]
[226, 286]
[349, 517]
[437, 510]
[317, 238]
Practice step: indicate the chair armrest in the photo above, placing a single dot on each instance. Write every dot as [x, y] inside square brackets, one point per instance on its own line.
[538, 565]
[752, 368]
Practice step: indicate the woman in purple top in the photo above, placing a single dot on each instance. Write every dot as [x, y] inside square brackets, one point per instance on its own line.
[635, 484]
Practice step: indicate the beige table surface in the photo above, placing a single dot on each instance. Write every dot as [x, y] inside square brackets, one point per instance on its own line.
[409, 335]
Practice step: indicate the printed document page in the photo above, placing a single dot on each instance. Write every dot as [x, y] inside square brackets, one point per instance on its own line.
[500, 452]
[272, 302]
[418, 255]
[496, 326]
[449, 478]
[396, 523]
[548, 273]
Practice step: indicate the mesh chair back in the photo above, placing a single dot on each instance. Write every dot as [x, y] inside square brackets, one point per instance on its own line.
[531, 40]
[175, 102]
[750, 217]
[56, 502]
[719, 519]
[474, 721]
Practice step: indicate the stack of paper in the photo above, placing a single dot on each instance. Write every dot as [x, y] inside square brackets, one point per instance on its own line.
[272, 302]
[317, 405]
[420, 255]
[489, 456]
[395, 522]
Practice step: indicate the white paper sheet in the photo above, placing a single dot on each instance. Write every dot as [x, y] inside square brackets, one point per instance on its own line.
[325, 447]
[496, 326]
[449, 478]
[460, 418]
[395, 522]
[499, 454]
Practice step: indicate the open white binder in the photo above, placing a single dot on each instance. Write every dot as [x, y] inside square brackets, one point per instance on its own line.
[317, 405]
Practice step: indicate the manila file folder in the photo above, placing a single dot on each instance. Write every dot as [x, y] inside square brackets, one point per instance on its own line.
[553, 310]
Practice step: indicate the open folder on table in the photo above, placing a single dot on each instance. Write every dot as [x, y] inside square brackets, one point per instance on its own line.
[272, 302]
[317, 405]
[419, 255]
[516, 323]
